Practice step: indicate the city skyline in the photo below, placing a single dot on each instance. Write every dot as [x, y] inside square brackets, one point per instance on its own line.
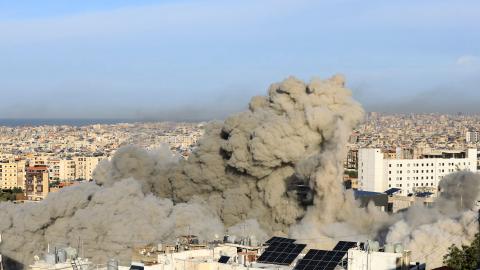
[178, 60]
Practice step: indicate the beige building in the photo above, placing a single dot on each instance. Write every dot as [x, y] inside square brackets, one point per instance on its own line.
[66, 170]
[36, 183]
[84, 166]
[12, 174]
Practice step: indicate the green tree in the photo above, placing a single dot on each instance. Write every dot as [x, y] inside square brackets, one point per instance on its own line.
[6, 196]
[352, 174]
[17, 190]
[464, 258]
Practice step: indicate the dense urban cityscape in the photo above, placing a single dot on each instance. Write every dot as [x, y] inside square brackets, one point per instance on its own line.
[67, 154]
[239, 135]
[39, 160]
[70, 154]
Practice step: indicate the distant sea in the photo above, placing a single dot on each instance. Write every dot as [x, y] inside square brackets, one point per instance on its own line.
[70, 122]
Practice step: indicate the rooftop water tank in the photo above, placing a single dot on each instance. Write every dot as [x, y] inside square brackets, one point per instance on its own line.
[399, 248]
[71, 253]
[112, 264]
[61, 255]
[50, 259]
[253, 241]
[373, 245]
[389, 248]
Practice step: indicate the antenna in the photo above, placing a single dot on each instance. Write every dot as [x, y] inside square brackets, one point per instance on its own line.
[78, 245]
[478, 260]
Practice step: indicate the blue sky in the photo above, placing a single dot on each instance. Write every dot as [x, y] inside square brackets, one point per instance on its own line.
[205, 59]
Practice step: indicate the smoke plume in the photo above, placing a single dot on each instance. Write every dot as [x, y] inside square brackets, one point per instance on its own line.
[273, 169]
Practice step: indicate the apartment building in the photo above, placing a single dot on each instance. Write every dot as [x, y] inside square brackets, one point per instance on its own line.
[84, 166]
[66, 170]
[379, 172]
[36, 183]
[471, 136]
[12, 174]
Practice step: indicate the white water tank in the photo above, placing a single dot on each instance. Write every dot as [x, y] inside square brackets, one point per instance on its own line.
[389, 248]
[253, 241]
[61, 255]
[50, 259]
[112, 264]
[399, 248]
[373, 245]
[71, 253]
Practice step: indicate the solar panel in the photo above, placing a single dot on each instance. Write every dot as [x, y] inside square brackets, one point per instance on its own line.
[320, 260]
[345, 245]
[223, 259]
[276, 239]
[281, 253]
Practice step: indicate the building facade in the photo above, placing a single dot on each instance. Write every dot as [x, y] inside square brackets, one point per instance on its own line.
[36, 183]
[84, 167]
[378, 172]
[471, 136]
[12, 174]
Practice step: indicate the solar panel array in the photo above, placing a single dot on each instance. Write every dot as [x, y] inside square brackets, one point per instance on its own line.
[276, 239]
[320, 260]
[345, 245]
[281, 253]
[223, 259]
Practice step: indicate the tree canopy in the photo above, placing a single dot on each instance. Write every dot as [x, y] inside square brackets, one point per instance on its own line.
[465, 257]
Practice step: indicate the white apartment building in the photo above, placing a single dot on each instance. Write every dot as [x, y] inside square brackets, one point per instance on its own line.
[377, 173]
[471, 136]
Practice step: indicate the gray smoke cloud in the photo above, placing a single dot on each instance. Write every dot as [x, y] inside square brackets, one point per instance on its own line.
[450, 221]
[109, 220]
[243, 178]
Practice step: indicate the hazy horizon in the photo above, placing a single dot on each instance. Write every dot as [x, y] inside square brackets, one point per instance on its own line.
[206, 59]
